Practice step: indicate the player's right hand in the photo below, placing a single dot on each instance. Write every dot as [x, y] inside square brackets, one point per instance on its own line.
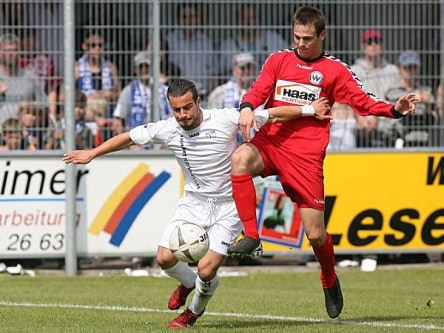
[247, 120]
[78, 157]
[322, 109]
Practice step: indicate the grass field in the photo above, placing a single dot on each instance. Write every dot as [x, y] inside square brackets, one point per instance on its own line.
[387, 300]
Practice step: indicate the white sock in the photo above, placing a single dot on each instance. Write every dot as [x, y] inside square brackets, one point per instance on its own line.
[182, 272]
[204, 291]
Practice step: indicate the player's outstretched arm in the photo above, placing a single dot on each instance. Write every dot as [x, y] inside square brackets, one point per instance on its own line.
[406, 104]
[319, 109]
[115, 143]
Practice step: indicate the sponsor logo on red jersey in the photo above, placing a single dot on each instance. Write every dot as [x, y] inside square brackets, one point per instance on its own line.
[296, 93]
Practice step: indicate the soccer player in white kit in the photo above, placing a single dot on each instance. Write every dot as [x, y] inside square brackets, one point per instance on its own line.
[202, 141]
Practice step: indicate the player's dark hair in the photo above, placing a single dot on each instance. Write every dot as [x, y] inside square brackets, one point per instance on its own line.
[306, 15]
[179, 87]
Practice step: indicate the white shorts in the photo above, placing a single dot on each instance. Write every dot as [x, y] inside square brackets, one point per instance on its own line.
[218, 217]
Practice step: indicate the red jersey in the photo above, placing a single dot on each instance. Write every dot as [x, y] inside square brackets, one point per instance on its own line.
[288, 79]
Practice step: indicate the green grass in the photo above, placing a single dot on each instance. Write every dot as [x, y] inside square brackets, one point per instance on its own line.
[387, 300]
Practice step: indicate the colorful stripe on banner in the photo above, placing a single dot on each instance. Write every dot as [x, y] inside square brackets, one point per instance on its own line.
[125, 203]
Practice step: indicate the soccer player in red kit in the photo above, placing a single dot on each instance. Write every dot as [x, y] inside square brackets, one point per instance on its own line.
[295, 150]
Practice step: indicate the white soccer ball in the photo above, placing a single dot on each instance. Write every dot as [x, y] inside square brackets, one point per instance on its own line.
[189, 242]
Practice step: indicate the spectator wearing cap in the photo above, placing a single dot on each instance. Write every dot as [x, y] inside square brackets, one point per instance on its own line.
[416, 130]
[134, 104]
[229, 94]
[377, 76]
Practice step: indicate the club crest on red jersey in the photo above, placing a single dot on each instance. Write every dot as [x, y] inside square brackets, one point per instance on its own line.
[316, 78]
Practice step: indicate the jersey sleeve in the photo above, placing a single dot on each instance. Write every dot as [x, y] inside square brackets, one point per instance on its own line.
[262, 116]
[151, 132]
[349, 91]
[263, 86]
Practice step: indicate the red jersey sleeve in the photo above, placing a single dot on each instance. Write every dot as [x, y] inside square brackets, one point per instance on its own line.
[349, 91]
[263, 86]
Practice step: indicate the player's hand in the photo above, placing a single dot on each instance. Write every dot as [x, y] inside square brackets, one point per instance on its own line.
[406, 104]
[247, 120]
[322, 109]
[78, 157]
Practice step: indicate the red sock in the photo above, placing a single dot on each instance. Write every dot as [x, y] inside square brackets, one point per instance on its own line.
[326, 258]
[244, 195]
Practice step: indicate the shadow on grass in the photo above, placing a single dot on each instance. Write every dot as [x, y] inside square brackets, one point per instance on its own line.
[249, 325]
[273, 325]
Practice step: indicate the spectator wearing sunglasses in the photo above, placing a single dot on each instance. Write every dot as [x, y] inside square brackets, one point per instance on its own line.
[95, 75]
[377, 76]
[229, 94]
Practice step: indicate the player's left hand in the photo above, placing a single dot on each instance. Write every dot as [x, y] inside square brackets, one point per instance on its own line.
[247, 120]
[406, 104]
[322, 109]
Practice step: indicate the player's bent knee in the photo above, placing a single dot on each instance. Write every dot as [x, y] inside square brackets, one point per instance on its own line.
[238, 161]
[242, 159]
[207, 267]
[206, 274]
[165, 259]
[316, 237]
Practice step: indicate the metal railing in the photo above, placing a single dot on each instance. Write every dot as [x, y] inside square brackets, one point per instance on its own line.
[223, 28]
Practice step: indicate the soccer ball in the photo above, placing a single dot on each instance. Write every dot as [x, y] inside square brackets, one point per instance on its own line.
[189, 242]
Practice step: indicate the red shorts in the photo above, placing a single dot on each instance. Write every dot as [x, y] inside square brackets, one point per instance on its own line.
[301, 175]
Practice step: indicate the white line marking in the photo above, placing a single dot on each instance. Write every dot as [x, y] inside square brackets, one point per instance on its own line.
[227, 314]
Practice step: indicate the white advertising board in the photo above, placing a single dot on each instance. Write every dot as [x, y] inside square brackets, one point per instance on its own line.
[122, 203]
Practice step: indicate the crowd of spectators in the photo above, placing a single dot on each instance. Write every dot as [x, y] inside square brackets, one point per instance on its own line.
[110, 99]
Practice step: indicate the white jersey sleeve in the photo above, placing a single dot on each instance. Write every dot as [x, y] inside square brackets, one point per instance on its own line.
[262, 116]
[157, 132]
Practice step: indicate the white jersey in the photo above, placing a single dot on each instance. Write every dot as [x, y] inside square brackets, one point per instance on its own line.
[204, 153]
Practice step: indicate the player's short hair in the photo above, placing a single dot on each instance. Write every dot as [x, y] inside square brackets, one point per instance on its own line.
[306, 15]
[180, 87]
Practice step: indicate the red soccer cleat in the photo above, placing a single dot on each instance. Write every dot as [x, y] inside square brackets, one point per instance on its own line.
[179, 297]
[185, 319]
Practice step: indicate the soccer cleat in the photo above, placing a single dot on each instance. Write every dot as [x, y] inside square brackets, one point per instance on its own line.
[179, 297]
[246, 247]
[334, 300]
[185, 319]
